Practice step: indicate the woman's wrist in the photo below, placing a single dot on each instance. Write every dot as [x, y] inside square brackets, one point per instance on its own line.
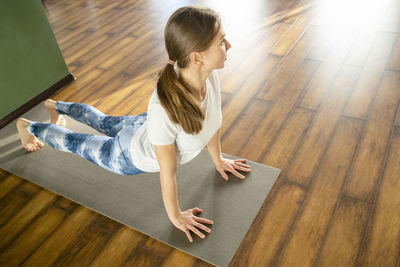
[218, 161]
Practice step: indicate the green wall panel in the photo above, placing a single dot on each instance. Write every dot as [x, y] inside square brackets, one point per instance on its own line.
[30, 59]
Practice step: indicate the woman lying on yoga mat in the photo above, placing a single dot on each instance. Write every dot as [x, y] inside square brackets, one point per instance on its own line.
[184, 115]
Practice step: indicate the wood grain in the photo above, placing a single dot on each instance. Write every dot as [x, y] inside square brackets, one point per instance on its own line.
[8, 184]
[271, 124]
[287, 142]
[20, 220]
[317, 139]
[366, 88]
[273, 226]
[32, 237]
[62, 238]
[382, 244]
[344, 238]
[367, 166]
[312, 224]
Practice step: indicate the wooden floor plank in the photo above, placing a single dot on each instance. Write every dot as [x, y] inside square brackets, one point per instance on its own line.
[288, 67]
[89, 243]
[238, 102]
[258, 42]
[332, 49]
[271, 124]
[293, 35]
[317, 139]
[25, 216]
[312, 224]
[322, 80]
[180, 258]
[128, 89]
[92, 45]
[83, 23]
[287, 142]
[62, 238]
[107, 52]
[246, 124]
[9, 184]
[382, 245]
[65, 204]
[68, 93]
[31, 237]
[271, 229]
[3, 173]
[345, 235]
[365, 90]
[361, 48]
[14, 201]
[137, 102]
[332, 45]
[146, 257]
[373, 147]
[116, 251]
[249, 64]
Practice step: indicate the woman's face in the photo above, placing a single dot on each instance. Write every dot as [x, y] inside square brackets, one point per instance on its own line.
[214, 56]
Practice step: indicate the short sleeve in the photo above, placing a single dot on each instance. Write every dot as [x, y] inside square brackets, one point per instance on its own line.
[161, 130]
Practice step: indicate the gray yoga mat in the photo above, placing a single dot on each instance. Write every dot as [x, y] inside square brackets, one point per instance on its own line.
[136, 201]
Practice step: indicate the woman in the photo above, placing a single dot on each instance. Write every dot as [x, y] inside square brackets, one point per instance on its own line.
[183, 116]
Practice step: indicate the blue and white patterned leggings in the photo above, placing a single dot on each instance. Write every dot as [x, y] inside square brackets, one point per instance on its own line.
[110, 152]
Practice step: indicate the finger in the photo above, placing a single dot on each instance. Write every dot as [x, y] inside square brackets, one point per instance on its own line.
[224, 175]
[203, 220]
[237, 174]
[241, 160]
[197, 232]
[188, 235]
[196, 210]
[202, 227]
[242, 168]
[242, 164]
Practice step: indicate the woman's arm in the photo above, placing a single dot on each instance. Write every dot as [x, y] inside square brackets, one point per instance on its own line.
[214, 148]
[167, 160]
[186, 220]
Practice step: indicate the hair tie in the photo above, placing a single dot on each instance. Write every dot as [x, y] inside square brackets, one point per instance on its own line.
[174, 64]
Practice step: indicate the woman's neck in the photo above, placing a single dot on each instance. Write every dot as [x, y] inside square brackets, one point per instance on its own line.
[196, 80]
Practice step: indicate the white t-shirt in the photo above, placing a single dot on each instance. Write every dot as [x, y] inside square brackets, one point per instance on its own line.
[160, 130]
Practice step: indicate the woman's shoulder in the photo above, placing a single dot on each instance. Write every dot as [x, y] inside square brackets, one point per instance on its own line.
[154, 103]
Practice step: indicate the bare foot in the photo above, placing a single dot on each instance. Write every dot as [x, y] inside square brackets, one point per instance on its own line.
[54, 116]
[28, 140]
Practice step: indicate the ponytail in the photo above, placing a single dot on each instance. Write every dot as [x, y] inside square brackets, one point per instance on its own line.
[181, 106]
[188, 29]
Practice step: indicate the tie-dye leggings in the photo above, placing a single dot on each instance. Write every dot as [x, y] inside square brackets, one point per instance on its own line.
[110, 152]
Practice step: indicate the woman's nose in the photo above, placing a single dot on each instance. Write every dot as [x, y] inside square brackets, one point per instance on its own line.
[227, 45]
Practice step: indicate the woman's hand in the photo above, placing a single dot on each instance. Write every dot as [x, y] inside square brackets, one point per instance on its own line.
[188, 222]
[230, 166]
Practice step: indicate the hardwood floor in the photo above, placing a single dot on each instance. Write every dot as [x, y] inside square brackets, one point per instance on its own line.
[311, 87]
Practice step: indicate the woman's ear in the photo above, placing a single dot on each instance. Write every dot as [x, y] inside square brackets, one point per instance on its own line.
[196, 58]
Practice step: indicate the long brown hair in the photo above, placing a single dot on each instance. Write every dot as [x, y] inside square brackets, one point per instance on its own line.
[188, 29]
